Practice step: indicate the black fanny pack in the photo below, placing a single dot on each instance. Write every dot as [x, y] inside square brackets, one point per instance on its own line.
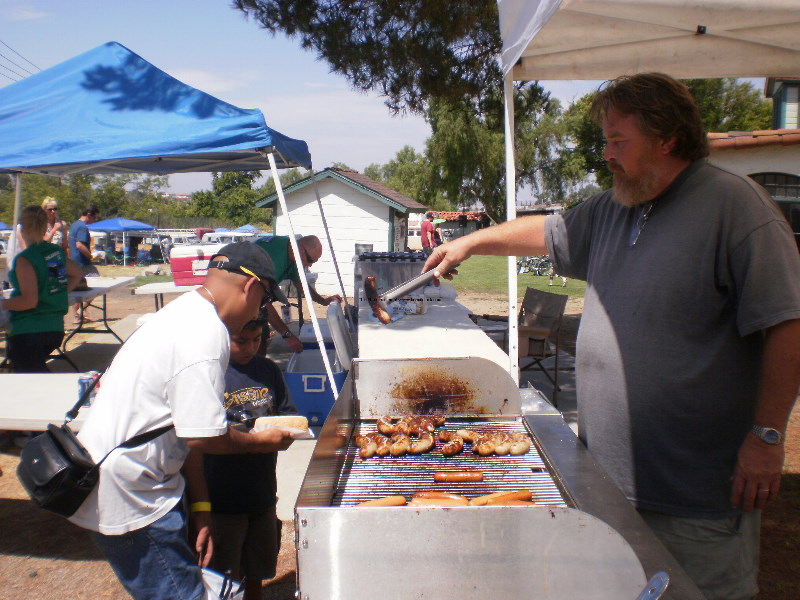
[57, 471]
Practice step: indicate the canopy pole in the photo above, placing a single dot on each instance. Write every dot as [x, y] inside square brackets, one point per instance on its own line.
[511, 213]
[302, 273]
[12, 239]
[330, 241]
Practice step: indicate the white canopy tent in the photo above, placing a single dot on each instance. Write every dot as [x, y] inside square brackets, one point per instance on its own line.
[603, 39]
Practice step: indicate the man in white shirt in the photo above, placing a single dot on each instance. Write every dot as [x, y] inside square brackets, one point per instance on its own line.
[171, 371]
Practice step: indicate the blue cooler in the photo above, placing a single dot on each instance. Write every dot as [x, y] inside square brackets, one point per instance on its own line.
[305, 374]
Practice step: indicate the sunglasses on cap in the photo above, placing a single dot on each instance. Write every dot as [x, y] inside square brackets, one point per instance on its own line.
[269, 298]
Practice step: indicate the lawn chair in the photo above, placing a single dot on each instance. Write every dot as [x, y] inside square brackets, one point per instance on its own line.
[539, 330]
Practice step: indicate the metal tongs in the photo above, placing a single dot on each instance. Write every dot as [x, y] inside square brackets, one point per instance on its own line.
[407, 287]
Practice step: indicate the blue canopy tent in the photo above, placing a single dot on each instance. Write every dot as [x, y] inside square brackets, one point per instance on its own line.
[124, 226]
[110, 111]
[3, 226]
[247, 229]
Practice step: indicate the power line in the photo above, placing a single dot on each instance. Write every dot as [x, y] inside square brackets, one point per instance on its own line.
[7, 77]
[20, 55]
[15, 64]
[12, 71]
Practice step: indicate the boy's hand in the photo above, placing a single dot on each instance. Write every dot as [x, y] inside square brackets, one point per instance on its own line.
[273, 439]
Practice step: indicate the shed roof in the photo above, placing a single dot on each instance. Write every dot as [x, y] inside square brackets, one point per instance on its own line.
[453, 215]
[358, 181]
[745, 140]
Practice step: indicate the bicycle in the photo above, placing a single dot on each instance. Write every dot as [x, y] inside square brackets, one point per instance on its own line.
[537, 265]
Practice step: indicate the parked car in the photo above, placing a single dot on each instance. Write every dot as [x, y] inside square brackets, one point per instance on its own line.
[226, 237]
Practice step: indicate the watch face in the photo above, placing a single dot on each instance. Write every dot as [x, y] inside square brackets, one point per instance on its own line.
[771, 436]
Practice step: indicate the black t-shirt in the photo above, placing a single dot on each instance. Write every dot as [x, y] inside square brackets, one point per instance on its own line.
[246, 483]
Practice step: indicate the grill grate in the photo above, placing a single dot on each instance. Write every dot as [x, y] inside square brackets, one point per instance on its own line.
[365, 479]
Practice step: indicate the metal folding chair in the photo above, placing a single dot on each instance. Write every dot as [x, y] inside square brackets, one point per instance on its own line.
[540, 320]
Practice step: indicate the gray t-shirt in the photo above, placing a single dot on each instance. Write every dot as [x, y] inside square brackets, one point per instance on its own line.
[670, 343]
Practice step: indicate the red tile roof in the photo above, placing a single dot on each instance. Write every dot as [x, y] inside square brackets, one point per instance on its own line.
[453, 215]
[740, 140]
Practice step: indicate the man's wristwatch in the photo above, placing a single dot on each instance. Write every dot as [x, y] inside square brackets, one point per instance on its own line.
[287, 335]
[769, 435]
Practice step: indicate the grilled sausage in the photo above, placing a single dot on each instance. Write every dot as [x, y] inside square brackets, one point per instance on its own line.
[513, 503]
[423, 444]
[457, 476]
[524, 495]
[401, 446]
[441, 496]
[438, 420]
[371, 292]
[453, 447]
[483, 444]
[386, 426]
[502, 444]
[385, 501]
[437, 502]
[383, 444]
[521, 444]
[467, 435]
[448, 436]
[500, 497]
[368, 449]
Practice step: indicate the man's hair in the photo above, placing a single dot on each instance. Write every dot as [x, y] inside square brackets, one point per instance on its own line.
[255, 324]
[90, 210]
[664, 108]
[34, 221]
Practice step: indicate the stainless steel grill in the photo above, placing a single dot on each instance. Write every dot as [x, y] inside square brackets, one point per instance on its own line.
[364, 479]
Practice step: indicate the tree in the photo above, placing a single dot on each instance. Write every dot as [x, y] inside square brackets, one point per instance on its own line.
[408, 173]
[408, 50]
[725, 105]
[731, 105]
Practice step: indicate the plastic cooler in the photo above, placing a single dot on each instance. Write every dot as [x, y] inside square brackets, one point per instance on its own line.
[189, 264]
[305, 374]
[308, 383]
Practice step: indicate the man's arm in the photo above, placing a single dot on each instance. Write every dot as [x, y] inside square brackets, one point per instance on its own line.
[520, 237]
[199, 515]
[275, 321]
[323, 300]
[237, 442]
[81, 247]
[759, 464]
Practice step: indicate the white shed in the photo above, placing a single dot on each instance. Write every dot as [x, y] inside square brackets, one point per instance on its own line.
[358, 209]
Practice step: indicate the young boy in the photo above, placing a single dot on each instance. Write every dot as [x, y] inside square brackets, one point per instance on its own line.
[242, 487]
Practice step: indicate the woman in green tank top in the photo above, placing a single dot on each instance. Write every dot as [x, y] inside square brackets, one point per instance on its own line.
[41, 276]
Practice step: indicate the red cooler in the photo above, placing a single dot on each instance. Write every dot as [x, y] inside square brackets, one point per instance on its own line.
[190, 263]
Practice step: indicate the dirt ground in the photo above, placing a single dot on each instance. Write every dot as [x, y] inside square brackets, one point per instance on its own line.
[44, 557]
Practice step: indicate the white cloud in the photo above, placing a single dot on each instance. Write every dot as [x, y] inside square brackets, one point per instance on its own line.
[343, 126]
[207, 81]
[21, 13]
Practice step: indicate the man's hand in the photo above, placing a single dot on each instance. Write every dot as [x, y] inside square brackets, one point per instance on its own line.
[328, 299]
[200, 531]
[757, 477]
[294, 344]
[444, 258]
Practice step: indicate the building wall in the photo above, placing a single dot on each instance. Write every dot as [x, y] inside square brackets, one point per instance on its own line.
[353, 218]
[780, 159]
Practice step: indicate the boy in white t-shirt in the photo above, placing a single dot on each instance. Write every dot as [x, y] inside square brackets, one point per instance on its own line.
[172, 371]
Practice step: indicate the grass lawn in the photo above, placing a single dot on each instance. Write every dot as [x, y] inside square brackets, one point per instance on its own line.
[489, 275]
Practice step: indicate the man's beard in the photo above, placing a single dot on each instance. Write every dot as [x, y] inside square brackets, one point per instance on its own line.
[633, 191]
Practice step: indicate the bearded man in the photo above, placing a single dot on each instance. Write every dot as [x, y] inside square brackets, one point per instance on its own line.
[688, 354]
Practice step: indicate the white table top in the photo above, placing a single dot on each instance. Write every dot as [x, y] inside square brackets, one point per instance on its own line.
[444, 331]
[30, 402]
[99, 286]
[163, 287]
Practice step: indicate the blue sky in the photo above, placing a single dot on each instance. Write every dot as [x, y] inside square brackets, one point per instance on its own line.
[208, 45]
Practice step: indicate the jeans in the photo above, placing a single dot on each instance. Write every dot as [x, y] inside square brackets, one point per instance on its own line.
[155, 562]
[720, 555]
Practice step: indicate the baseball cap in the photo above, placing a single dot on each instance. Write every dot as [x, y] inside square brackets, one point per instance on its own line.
[248, 259]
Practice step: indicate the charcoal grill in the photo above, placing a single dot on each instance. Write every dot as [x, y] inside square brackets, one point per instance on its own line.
[551, 550]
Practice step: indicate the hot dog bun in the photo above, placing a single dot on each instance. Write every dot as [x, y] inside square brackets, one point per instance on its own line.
[289, 421]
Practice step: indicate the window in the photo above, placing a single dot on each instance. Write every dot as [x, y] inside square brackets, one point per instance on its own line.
[785, 190]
